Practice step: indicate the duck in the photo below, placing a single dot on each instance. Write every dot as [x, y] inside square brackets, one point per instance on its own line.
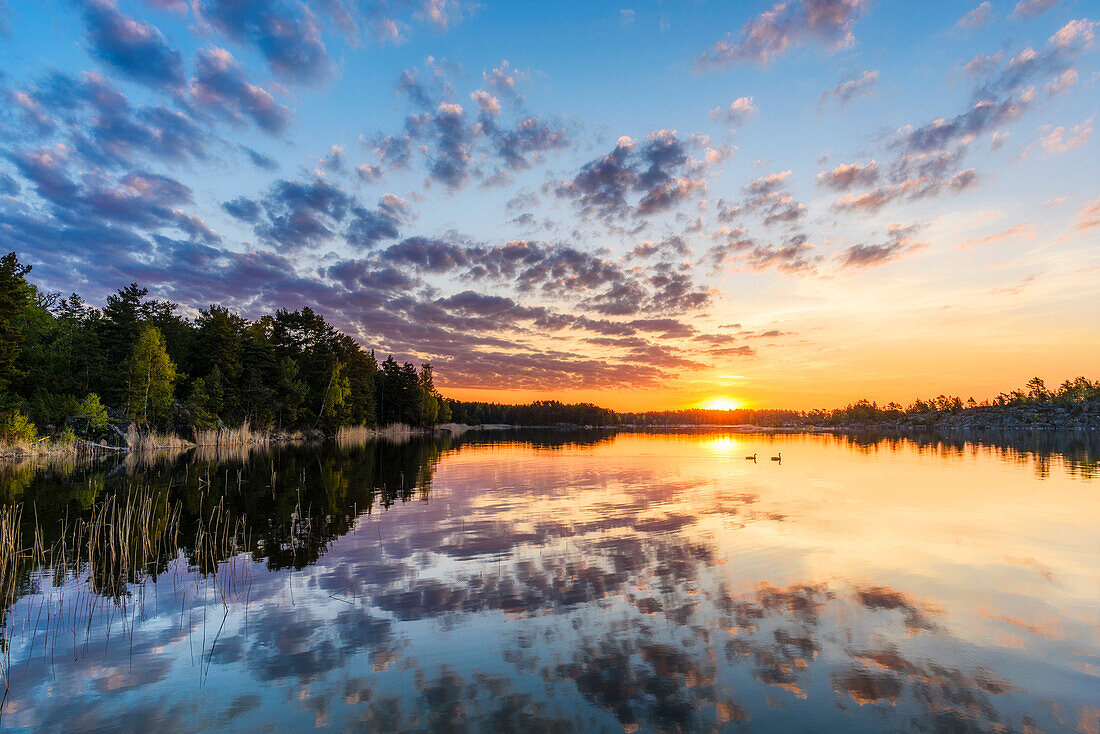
[778, 457]
[751, 458]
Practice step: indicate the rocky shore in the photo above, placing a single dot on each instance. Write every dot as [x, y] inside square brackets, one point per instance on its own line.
[1041, 416]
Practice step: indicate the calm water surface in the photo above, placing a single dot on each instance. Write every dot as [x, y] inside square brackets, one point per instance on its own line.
[585, 582]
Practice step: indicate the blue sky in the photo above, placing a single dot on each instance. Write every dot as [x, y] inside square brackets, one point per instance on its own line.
[640, 204]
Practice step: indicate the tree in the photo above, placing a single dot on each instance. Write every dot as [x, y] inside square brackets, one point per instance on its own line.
[77, 360]
[429, 397]
[150, 378]
[336, 397]
[15, 428]
[15, 298]
[290, 393]
[390, 396]
[91, 410]
[1037, 390]
[204, 404]
[218, 344]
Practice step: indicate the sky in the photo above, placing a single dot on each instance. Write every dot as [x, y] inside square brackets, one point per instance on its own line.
[643, 205]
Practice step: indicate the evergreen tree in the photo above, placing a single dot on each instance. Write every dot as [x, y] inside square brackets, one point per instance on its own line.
[290, 393]
[119, 330]
[15, 298]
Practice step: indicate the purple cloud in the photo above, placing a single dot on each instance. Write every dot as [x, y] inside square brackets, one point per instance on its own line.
[899, 242]
[659, 171]
[221, 87]
[857, 86]
[285, 33]
[297, 215]
[136, 49]
[787, 25]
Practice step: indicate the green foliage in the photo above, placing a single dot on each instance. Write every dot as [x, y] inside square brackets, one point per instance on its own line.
[201, 405]
[336, 396]
[60, 357]
[1079, 390]
[93, 411]
[552, 412]
[290, 392]
[150, 379]
[15, 298]
[15, 428]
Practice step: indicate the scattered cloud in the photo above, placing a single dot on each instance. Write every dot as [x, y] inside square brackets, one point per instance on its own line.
[857, 86]
[220, 86]
[294, 215]
[1088, 217]
[1032, 8]
[849, 175]
[1061, 140]
[977, 17]
[636, 179]
[898, 243]
[787, 25]
[1022, 230]
[460, 144]
[135, 49]
[769, 199]
[737, 114]
[286, 34]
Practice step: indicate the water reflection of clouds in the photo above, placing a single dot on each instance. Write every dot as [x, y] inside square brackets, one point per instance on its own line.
[591, 597]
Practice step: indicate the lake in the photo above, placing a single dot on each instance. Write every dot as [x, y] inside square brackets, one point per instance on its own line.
[572, 581]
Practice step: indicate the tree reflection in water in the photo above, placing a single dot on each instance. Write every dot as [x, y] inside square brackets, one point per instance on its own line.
[533, 587]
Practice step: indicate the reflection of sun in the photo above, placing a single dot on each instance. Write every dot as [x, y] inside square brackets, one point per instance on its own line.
[723, 444]
[720, 404]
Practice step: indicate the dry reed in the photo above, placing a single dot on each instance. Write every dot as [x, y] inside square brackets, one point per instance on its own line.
[125, 540]
[242, 435]
[152, 441]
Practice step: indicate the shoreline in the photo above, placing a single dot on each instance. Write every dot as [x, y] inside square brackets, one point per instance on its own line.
[86, 450]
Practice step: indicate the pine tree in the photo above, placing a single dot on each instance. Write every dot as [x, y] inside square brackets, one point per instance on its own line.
[15, 297]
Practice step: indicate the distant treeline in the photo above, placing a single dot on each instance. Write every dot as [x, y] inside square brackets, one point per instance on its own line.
[865, 412]
[551, 412]
[69, 365]
[65, 363]
[1035, 393]
[700, 417]
[538, 413]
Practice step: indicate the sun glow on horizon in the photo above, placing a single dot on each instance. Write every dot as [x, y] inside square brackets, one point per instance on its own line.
[721, 403]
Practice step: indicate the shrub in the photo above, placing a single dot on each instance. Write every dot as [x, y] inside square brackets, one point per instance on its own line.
[92, 410]
[15, 428]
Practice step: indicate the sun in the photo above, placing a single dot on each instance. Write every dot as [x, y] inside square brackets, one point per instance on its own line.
[720, 403]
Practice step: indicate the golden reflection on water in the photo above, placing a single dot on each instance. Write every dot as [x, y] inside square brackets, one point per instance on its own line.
[967, 540]
[640, 582]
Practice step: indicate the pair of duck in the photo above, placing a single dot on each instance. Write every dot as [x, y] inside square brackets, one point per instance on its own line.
[777, 457]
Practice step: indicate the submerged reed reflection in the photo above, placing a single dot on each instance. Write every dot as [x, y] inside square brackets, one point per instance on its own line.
[604, 582]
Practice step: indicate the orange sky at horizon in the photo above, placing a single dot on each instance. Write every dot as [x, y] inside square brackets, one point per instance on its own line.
[918, 332]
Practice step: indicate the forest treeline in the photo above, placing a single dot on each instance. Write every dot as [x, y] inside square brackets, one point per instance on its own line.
[66, 364]
[1073, 392]
[69, 368]
[538, 413]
